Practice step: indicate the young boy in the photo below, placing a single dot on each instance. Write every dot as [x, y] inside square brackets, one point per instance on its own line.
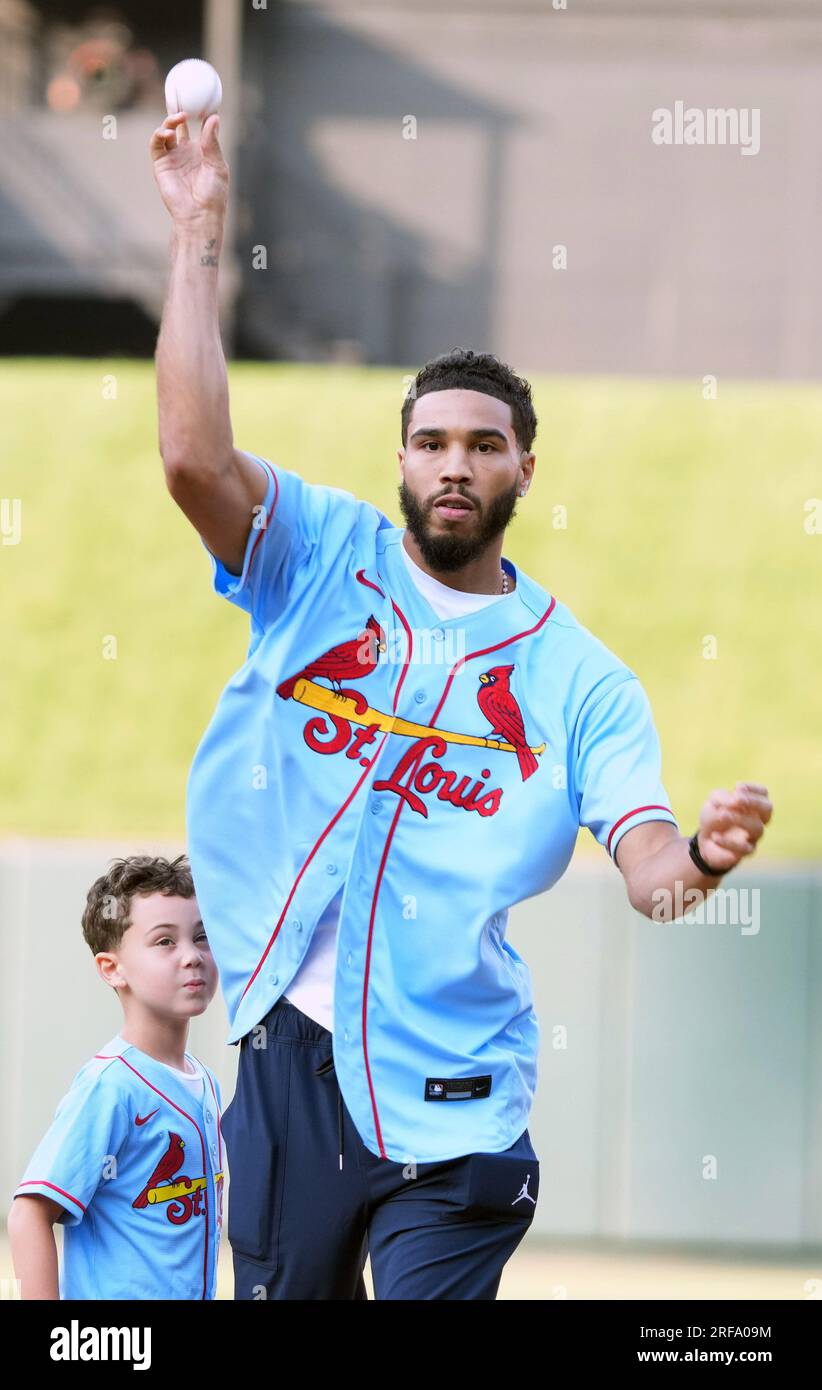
[133, 1162]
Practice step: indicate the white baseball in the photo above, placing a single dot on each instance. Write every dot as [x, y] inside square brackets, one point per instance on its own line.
[193, 86]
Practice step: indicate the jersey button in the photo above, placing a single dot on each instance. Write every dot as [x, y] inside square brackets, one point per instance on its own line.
[375, 806]
[275, 979]
[330, 868]
[296, 924]
[437, 633]
[419, 696]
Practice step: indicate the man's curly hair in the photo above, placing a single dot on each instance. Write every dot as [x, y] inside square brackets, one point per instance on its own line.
[108, 902]
[462, 369]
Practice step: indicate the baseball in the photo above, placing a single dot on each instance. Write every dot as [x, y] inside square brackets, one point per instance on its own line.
[193, 86]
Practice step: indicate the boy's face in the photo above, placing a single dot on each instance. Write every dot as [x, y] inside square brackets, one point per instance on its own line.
[163, 961]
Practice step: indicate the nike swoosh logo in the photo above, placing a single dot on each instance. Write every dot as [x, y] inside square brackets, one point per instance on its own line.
[141, 1119]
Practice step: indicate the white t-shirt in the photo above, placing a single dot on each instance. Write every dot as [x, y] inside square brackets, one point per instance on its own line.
[312, 989]
[193, 1080]
[447, 602]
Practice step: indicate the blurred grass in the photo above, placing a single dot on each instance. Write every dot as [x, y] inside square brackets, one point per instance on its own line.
[685, 518]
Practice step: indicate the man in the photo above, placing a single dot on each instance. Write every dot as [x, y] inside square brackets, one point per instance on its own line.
[415, 738]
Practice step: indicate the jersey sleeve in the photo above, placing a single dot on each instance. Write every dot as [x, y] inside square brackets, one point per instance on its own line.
[292, 531]
[89, 1129]
[618, 770]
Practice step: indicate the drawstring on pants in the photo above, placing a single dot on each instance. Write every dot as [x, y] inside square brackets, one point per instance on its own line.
[328, 1065]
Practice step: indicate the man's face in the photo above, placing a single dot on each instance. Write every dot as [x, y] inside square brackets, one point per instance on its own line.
[164, 961]
[460, 444]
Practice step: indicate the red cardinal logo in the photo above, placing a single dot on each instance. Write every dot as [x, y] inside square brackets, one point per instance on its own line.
[503, 714]
[349, 661]
[170, 1163]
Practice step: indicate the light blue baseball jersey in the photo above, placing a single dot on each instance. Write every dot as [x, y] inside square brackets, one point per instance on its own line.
[137, 1163]
[439, 771]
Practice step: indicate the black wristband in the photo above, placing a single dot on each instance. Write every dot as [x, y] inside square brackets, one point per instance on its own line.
[693, 850]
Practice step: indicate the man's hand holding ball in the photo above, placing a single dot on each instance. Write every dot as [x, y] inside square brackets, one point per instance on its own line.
[192, 174]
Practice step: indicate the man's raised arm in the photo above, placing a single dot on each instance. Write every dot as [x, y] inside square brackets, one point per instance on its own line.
[216, 485]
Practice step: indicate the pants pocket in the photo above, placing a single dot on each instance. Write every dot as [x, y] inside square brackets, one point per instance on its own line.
[255, 1128]
[503, 1186]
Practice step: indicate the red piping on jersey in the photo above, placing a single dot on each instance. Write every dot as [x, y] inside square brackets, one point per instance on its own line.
[219, 1126]
[463, 659]
[116, 1056]
[377, 1128]
[41, 1182]
[337, 814]
[635, 812]
[484, 652]
[269, 515]
[363, 580]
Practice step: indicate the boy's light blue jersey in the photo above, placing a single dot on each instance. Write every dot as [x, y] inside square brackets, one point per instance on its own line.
[137, 1163]
[439, 770]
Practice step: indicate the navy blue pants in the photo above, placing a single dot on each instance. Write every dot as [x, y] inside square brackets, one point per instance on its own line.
[300, 1227]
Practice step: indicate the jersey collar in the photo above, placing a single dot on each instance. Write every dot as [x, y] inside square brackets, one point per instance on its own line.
[499, 621]
[148, 1066]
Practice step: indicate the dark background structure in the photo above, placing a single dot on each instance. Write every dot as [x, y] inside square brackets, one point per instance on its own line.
[353, 242]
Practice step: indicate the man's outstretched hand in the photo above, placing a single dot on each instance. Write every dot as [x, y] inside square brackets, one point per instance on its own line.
[192, 175]
[731, 823]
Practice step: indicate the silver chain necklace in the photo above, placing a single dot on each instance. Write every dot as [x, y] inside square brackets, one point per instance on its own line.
[504, 580]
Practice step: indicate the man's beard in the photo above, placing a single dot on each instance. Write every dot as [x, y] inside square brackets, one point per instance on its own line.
[448, 550]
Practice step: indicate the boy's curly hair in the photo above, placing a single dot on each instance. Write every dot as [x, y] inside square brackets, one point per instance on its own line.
[462, 369]
[107, 911]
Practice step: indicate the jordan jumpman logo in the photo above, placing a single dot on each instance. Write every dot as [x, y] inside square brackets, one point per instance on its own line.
[524, 1193]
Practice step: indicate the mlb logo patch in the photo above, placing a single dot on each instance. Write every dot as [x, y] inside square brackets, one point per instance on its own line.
[457, 1088]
